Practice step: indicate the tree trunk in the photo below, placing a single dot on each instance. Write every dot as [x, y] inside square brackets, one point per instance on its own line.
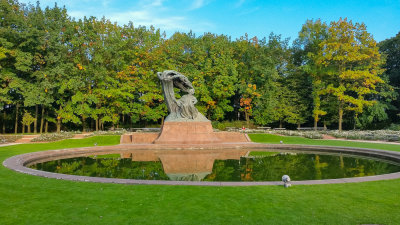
[315, 123]
[355, 121]
[340, 117]
[298, 126]
[46, 129]
[246, 114]
[59, 122]
[16, 119]
[98, 125]
[23, 128]
[36, 119]
[280, 124]
[325, 128]
[29, 128]
[83, 124]
[42, 120]
[4, 121]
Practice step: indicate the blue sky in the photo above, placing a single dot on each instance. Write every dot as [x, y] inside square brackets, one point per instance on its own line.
[237, 17]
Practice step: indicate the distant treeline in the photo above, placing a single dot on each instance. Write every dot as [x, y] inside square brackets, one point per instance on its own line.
[58, 73]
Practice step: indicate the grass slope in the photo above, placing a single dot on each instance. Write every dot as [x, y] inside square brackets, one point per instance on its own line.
[275, 139]
[26, 199]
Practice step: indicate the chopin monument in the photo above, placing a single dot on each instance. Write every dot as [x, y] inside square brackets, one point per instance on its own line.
[184, 124]
[183, 109]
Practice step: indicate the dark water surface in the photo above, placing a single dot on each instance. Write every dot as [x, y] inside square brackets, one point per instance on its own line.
[263, 167]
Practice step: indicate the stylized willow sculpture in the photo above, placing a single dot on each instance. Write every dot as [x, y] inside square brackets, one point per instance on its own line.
[182, 109]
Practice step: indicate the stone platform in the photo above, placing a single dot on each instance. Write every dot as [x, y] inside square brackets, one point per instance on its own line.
[185, 133]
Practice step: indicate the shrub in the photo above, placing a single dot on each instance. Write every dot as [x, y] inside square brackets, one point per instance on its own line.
[109, 132]
[395, 127]
[306, 134]
[54, 137]
[236, 124]
[9, 138]
[381, 135]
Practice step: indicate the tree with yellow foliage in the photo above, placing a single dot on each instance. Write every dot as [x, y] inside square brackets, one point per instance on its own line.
[353, 62]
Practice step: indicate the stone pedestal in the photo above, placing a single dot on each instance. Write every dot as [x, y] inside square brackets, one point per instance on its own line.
[187, 133]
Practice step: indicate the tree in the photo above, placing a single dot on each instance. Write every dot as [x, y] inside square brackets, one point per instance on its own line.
[263, 64]
[27, 120]
[391, 49]
[305, 52]
[353, 64]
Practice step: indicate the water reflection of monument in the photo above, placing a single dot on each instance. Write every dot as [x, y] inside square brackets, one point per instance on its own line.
[191, 165]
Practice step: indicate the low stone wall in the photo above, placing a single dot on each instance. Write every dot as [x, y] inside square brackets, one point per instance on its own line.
[232, 137]
[19, 162]
[139, 138]
[148, 138]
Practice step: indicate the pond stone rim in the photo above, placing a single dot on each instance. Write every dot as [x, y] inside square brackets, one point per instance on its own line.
[18, 162]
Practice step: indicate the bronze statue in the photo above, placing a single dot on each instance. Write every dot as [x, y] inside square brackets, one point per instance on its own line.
[182, 109]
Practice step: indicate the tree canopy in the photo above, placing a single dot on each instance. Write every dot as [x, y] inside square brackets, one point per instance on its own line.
[92, 74]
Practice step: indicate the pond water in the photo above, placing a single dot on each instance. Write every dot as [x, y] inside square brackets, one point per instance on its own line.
[210, 166]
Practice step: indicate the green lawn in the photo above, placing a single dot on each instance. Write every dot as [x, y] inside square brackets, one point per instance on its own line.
[275, 139]
[26, 199]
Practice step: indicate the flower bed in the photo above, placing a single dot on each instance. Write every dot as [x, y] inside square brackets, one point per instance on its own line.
[381, 135]
[376, 135]
[306, 134]
[9, 138]
[109, 132]
[54, 136]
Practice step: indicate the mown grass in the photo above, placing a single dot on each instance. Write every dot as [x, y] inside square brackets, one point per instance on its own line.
[26, 199]
[275, 139]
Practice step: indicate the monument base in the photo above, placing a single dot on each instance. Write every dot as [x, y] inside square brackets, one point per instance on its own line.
[187, 133]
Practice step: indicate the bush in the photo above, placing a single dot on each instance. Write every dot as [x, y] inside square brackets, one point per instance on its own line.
[54, 137]
[119, 131]
[9, 138]
[377, 135]
[236, 124]
[306, 134]
[381, 135]
[395, 127]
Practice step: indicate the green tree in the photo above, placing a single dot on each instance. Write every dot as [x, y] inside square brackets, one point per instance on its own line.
[27, 121]
[391, 49]
[305, 53]
[351, 56]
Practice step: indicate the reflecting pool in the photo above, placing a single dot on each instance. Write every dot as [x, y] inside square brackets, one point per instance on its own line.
[214, 165]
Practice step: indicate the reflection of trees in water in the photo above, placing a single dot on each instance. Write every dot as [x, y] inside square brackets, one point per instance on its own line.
[225, 170]
[106, 167]
[269, 168]
[298, 167]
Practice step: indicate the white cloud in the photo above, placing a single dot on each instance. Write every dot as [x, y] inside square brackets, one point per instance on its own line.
[239, 3]
[147, 18]
[157, 3]
[197, 4]
[159, 13]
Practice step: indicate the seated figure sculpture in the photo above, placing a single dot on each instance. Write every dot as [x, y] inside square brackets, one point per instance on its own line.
[183, 109]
